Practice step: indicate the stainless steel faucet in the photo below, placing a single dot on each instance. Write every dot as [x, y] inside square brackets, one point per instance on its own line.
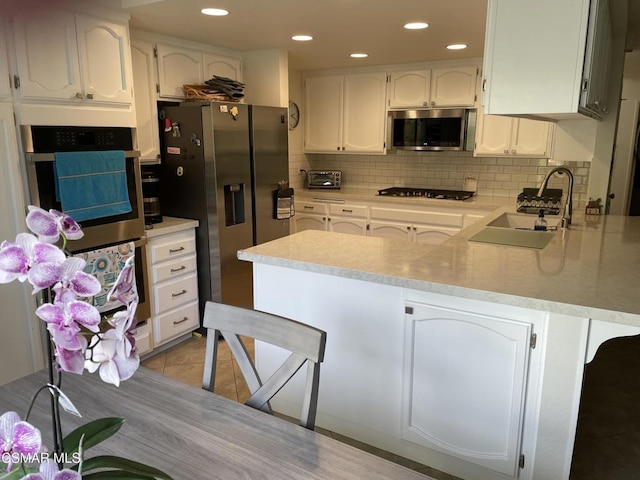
[568, 205]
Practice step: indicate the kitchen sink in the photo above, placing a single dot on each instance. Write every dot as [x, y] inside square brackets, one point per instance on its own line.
[513, 236]
[514, 220]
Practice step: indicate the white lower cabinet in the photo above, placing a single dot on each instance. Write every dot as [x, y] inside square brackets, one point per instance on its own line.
[465, 375]
[172, 263]
[345, 218]
[428, 227]
[449, 382]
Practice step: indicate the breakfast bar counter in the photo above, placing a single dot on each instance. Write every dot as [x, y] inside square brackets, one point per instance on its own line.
[464, 356]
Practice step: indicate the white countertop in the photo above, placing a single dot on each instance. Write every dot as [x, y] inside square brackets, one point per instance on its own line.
[170, 225]
[588, 270]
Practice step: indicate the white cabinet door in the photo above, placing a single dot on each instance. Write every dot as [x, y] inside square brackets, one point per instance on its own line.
[354, 226]
[20, 351]
[430, 235]
[222, 66]
[5, 83]
[453, 86]
[409, 89]
[47, 57]
[392, 230]
[364, 112]
[104, 52]
[465, 384]
[144, 81]
[303, 222]
[178, 66]
[493, 134]
[530, 138]
[323, 114]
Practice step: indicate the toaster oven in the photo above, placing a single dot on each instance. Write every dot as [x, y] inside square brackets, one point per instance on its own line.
[324, 179]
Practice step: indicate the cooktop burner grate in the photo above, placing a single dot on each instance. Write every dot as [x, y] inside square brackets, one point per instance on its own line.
[426, 192]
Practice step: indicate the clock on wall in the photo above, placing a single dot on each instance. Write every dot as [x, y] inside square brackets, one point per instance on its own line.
[294, 115]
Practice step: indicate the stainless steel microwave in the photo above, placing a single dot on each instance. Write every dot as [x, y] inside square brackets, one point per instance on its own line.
[432, 129]
[331, 179]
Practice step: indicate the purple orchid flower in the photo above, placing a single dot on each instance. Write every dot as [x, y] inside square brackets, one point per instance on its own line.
[49, 225]
[124, 290]
[71, 361]
[17, 437]
[49, 471]
[65, 319]
[74, 279]
[110, 355]
[26, 258]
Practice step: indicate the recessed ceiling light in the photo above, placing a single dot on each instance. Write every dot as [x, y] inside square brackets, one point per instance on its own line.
[302, 38]
[416, 25]
[457, 46]
[359, 55]
[216, 12]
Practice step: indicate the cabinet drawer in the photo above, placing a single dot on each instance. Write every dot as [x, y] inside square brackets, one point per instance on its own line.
[177, 322]
[349, 210]
[174, 268]
[311, 207]
[174, 293]
[174, 245]
[416, 216]
[143, 338]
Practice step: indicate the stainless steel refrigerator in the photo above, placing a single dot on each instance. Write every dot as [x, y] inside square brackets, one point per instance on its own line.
[223, 164]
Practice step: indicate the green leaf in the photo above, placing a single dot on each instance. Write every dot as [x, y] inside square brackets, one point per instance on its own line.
[17, 473]
[94, 432]
[124, 465]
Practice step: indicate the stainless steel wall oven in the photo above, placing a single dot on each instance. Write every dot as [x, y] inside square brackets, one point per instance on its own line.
[42, 143]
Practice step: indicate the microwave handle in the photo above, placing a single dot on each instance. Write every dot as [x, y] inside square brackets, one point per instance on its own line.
[50, 157]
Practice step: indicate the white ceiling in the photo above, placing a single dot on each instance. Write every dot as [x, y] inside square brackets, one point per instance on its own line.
[339, 27]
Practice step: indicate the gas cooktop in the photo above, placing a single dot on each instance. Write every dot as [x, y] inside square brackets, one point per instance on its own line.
[426, 192]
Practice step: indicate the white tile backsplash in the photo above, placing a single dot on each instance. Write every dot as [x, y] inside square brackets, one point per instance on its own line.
[500, 176]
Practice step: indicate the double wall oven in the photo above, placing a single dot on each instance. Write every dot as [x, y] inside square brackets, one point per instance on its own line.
[108, 235]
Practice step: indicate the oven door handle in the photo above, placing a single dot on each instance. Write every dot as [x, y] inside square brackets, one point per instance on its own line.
[50, 157]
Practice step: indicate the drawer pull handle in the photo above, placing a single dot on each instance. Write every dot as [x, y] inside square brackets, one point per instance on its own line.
[178, 294]
[178, 322]
[174, 270]
[176, 250]
[347, 210]
[308, 207]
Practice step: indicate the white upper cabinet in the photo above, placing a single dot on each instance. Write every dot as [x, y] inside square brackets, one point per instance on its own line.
[345, 113]
[409, 89]
[71, 57]
[144, 81]
[105, 62]
[47, 55]
[436, 87]
[178, 66]
[5, 83]
[498, 135]
[222, 66]
[552, 73]
[454, 86]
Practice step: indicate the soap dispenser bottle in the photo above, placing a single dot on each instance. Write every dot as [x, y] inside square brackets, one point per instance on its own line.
[541, 223]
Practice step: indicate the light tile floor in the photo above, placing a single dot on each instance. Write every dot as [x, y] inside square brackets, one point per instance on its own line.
[185, 362]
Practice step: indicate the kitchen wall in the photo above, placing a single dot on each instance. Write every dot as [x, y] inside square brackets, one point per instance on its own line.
[499, 176]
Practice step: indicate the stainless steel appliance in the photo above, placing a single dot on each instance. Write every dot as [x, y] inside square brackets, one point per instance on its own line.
[224, 165]
[431, 130]
[41, 143]
[426, 193]
[330, 179]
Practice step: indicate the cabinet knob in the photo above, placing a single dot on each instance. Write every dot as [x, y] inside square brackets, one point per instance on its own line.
[343, 148]
[79, 95]
[433, 104]
[513, 152]
[89, 96]
[425, 104]
[409, 228]
[337, 148]
[506, 151]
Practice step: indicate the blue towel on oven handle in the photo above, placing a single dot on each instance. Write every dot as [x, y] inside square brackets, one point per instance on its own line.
[92, 184]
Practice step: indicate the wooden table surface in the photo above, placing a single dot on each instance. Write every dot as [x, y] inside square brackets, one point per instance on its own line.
[193, 434]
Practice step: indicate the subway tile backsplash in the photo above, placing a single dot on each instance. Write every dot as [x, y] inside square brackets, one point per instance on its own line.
[499, 176]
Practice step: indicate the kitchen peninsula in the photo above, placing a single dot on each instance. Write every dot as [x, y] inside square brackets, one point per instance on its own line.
[464, 356]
